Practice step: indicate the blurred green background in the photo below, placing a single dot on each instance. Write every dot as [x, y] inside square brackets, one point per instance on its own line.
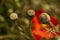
[20, 29]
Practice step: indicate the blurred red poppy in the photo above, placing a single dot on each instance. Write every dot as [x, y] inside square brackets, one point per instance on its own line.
[37, 31]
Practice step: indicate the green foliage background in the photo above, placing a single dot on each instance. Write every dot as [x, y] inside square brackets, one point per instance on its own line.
[20, 29]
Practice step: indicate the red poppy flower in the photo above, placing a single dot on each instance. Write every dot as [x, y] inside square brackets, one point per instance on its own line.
[37, 31]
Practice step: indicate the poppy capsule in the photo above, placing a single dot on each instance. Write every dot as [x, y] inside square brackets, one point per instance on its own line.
[30, 14]
[13, 16]
[44, 18]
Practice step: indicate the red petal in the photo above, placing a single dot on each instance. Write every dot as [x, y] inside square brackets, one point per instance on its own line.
[54, 20]
[38, 12]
